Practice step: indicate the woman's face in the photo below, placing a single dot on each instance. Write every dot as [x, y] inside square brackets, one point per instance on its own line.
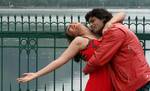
[76, 29]
[72, 30]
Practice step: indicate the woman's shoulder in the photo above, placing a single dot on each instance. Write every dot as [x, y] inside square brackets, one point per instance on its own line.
[80, 38]
[82, 41]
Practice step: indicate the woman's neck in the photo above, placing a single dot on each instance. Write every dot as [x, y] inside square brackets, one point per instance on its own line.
[90, 35]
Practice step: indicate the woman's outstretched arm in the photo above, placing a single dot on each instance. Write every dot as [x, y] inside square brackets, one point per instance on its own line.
[75, 46]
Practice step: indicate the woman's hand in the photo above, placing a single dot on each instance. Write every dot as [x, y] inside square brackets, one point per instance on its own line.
[107, 26]
[27, 77]
[117, 18]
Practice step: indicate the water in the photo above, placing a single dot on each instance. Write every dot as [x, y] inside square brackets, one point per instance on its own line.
[63, 75]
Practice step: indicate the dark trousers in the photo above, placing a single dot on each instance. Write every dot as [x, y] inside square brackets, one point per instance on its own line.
[145, 87]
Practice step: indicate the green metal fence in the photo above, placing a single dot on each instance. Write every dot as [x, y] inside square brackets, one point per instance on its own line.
[28, 43]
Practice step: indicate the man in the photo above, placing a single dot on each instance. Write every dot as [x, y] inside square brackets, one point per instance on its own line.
[120, 48]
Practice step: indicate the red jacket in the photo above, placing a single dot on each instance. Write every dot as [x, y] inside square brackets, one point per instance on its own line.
[121, 49]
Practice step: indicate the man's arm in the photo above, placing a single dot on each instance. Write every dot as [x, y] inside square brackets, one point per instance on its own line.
[110, 44]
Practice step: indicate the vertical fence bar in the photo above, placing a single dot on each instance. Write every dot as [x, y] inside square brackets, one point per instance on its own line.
[54, 58]
[43, 23]
[10, 88]
[144, 47]
[143, 24]
[57, 22]
[22, 23]
[71, 19]
[28, 53]
[2, 64]
[64, 22]
[7, 23]
[144, 33]
[129, 23]
[36, 50]
[136, 24]
[1, 22]
[45, 87]
[80, 75]
[15, 22]
[72, 75]
[79, 19]
[71, 61]
[36, 23]
[19, 63]
[50, 23]
[29, 23]
[63, 89]
[1, 57]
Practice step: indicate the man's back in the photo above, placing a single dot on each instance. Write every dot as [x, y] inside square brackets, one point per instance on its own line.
[129, 69]
[121, 49]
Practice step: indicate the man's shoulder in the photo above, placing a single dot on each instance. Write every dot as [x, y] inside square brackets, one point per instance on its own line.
[120, 26]
[117, 29]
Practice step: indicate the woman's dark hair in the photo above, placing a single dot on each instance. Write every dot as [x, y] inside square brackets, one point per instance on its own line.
[99, 13]
[78, 56]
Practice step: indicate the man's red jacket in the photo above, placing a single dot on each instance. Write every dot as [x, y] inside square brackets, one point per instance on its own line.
[122, 50]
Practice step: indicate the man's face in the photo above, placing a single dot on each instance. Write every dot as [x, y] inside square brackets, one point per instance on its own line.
[96, 25]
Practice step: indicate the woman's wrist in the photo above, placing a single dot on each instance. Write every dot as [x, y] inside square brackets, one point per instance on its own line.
[36, 75]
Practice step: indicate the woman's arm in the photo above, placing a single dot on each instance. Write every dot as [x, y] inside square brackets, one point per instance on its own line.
[118, 17]
[75, 46]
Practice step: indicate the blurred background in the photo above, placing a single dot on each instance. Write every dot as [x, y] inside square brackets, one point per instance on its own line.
[32, 35]
[74, 3]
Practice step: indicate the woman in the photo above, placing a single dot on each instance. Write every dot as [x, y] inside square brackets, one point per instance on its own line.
[83, 44]
[99, 80]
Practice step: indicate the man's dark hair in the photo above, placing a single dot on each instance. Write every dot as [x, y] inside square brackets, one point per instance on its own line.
[99, 13]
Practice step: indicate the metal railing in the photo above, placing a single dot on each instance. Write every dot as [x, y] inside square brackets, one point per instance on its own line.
[27, 43]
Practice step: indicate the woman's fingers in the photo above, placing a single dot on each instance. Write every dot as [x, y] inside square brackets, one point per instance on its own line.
[20, 80]
[24, 74]
[23, 78]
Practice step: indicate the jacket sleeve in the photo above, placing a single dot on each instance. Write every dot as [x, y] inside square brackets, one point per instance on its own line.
[110, 44]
